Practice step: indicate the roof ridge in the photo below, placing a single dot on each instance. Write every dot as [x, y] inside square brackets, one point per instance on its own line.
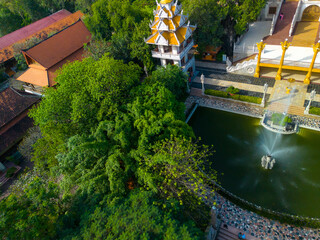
[52, 35]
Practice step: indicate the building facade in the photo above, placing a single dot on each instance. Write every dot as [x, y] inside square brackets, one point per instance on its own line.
[172, 36]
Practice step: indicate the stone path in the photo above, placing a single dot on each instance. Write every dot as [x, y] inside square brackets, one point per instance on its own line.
[261, 227]
[239, 85]
[221, 74]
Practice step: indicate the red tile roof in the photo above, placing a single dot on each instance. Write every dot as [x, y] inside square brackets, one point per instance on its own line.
[59, 46]
[6, 53]
[13, 103]
[26, 31]
[14, 134]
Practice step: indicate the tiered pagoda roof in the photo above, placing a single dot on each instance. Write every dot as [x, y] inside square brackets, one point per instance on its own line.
[170, 25]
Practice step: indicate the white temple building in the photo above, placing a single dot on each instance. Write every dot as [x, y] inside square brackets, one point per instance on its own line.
[172, 35]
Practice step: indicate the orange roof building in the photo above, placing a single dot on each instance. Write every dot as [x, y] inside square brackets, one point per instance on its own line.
[45, 58]
[172, 34]
[40, 29]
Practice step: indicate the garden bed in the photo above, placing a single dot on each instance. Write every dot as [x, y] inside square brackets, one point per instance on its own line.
[238, 97]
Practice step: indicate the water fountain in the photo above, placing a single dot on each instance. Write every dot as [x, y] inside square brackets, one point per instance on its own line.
[267, 162]
[281, 123]
[293, 183]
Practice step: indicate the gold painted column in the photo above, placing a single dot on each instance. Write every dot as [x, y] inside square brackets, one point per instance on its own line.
[260, 46]
[316, 49]
[285, 45]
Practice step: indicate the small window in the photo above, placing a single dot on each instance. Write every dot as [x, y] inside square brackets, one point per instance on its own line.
[272, 10]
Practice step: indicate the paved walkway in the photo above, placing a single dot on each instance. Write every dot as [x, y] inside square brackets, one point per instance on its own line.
[305, 34]
[239, 85]
[219, 79]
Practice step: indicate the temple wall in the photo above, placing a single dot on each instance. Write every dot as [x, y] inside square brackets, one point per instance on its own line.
[305, 4]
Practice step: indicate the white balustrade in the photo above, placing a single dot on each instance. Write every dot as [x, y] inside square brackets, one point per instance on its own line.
[295, 18]
[275, 18]
[242, 65]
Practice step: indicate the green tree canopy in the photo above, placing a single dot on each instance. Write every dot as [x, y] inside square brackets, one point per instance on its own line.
[137, 216]
[31, 213]
[207, 14]
[124, 25]
[172, 78]
[88, 92]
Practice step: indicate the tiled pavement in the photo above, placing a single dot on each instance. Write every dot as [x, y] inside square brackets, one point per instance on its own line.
[220, 74]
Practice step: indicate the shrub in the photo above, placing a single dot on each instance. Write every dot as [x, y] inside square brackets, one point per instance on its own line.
[10, 172]
[314, 110]
[251, 99]
[216, 93]
[277, 118]
[223, 94]
[232, 90]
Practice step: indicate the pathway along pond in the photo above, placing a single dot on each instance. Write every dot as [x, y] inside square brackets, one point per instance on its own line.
[292, 186]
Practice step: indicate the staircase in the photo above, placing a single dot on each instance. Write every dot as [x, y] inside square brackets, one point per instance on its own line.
[292, 109]
[231, 233]
[226, 234]
[282, 28]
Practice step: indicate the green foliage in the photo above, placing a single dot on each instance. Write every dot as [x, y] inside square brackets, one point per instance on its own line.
[31, 213]
[137, 216]
[207, 14]
[280, 119]
[224, 94]
[88, 92]
[21, 62]
[216, 93]
[123, 25]
[314, 110]
[172, 78]
[9, 21]
[177, 168]
[10, 172]
[232, 90]
[18, 13]
[96, 48]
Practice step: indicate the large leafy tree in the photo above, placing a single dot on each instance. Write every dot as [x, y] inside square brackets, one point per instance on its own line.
[88, 92]
[106, 161]
[137, 216]
[207, 14]
[30, 213]
[240, 14]
[124, 25]
[172, 78]
[10, 21]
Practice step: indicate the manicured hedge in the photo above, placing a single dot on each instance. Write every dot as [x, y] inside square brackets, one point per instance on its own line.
[314, 110]
[223, 94]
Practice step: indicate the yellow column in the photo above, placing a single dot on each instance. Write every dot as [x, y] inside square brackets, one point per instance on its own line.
[260, 46]
[284, 46]
[316, 49]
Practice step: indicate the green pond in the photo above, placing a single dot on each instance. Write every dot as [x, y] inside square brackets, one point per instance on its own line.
[292, 186]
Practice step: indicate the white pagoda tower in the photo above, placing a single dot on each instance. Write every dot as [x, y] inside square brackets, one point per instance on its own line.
[172, 34]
